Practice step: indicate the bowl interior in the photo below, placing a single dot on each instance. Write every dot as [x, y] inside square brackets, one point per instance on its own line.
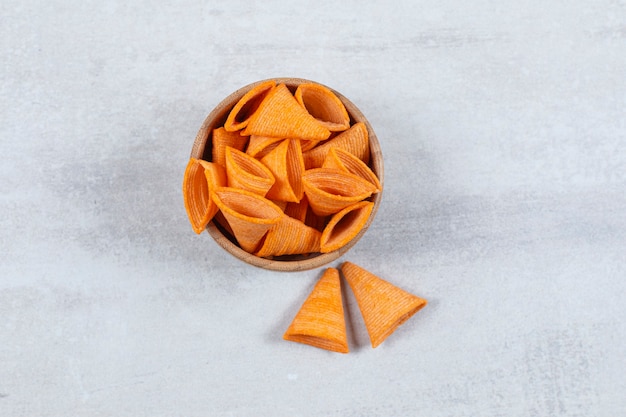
[202, 149]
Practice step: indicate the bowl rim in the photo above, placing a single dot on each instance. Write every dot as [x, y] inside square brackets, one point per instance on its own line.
[200, 149]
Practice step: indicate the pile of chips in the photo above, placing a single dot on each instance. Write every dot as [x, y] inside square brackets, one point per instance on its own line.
[288, 173]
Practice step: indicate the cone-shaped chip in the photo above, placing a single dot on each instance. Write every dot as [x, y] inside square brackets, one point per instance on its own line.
[383, 305]
[324, 105]
[249, 215]
[280, 115]
[330, 191]
[289, 237]
[340, 159]
[320, 321]
[354, 140]
[239, 116]
[245, 172]
[345, 225]
[200, 178]
[286, 164]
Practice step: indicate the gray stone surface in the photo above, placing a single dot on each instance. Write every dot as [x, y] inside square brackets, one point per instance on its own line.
[503, 126]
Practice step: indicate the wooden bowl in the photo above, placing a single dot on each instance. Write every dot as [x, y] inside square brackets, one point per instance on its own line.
[202, 150]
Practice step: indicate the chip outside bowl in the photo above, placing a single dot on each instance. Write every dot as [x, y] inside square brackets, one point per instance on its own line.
[202, 150]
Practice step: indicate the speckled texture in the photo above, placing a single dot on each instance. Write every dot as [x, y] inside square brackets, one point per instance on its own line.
[504, 135]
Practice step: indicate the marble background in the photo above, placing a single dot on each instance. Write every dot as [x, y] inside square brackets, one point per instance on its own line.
[503, 126]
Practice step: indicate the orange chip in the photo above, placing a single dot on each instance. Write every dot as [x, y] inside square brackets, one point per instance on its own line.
[345, 225]
[330, 191]
[286, 164]
[247, 173]
[239, 116]
[257, 144]
[289, 237]
[354, 140]
[324, 105]
[338, 158]
[249, 215]
[383, 305]
[199, 179]
[320, 321]
[223, 139]
[280, 115]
